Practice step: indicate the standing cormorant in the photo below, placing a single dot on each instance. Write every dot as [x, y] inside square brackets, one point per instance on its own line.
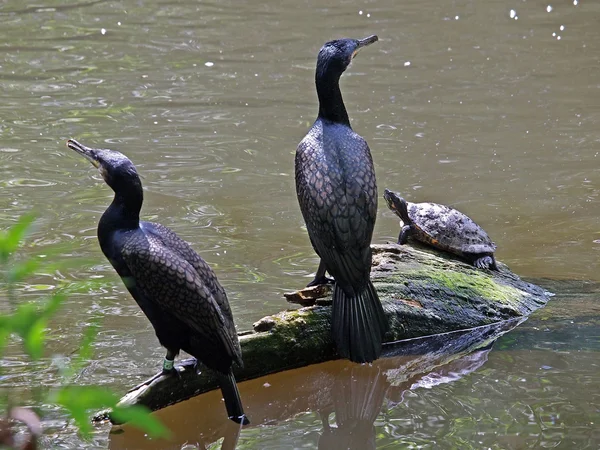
[335, 183]
[172, 284]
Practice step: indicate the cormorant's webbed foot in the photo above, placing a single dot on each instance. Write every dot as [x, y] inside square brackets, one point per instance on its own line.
[169, 363]
[196, 366]
[320, 277]
[321, 280]
[168, 367]
[242, 420]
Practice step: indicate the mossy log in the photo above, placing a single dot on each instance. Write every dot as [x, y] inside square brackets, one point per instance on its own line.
[423, 292]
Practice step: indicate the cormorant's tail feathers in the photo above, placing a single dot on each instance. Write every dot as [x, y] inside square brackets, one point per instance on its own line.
[359, 324]
[231, 395]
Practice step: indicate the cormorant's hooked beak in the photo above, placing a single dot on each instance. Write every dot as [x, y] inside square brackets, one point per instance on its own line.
[364, 42]
[87, 152]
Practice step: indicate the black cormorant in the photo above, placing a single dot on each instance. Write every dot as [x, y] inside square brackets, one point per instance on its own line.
[335, 183]
[172, 284]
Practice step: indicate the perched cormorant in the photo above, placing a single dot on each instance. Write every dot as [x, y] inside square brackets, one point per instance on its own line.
[172, 284]
[335, 183]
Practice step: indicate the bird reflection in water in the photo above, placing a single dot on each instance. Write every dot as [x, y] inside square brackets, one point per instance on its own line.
[359, 393]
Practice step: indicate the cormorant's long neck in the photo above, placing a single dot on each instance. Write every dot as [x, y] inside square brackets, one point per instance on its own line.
[124, 211]
[331, 104]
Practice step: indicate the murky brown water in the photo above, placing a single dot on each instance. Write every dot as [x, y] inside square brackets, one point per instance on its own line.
[460, 102]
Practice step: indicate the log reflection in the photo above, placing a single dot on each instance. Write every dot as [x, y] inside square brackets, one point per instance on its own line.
[347, 396]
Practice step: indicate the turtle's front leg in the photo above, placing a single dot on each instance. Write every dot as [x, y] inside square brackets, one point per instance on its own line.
[485, 262]
[404, 233]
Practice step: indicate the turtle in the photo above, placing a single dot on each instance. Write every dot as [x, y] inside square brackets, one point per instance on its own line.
[444, 228]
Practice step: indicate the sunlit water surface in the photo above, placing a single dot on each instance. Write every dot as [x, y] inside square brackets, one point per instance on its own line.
[491, 107]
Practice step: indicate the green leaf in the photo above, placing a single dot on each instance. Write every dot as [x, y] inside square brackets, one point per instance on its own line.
[4, 333]
[139, 416]
[11, 238]
[78, 400]
[29, 322]
[54, 302]
[34, 339]
[23, 318]
[6, 322]
[86, 350]
[18, 271]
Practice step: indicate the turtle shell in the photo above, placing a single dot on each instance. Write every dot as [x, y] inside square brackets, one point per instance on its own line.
[448, 229]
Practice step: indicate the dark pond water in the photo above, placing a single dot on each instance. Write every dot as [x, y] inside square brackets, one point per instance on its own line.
[491, 107]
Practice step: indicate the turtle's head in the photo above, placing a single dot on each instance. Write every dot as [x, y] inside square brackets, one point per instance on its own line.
[397, 204]
[393, 200]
